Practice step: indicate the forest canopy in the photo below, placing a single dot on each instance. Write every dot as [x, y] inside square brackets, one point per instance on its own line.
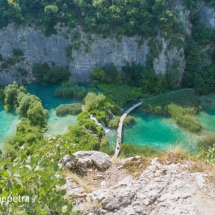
[128, 17]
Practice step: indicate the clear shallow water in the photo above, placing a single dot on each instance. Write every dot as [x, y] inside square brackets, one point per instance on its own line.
[207, 117]
[156, 131]
[8, 122]
[57, 125]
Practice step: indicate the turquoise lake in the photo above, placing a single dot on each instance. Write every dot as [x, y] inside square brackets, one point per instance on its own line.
[57, 125]
[207, 117]
[158, 131]
[8, 122]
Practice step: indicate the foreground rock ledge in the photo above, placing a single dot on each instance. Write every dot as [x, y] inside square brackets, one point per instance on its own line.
[159, 190]
[86, 159]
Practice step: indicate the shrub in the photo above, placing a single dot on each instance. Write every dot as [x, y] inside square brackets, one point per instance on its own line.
[69, 50]
[111, 72]
[9, 146]
[208, 155]
[114, 122]
[184, 117]
[129, 120]
[22, 71]
[98, 74]
[1, 94]
[68, 109]
[207, 142]
[70, 89]
[17, 52]
[45, 74]
[108, 150]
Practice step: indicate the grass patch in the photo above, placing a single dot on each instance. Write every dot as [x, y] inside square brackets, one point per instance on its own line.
[135, 168]
[178, 155]
[128, 150]
[78, 180]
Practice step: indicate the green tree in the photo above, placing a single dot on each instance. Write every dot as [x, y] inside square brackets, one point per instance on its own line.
[98, 74]
[25, 101]
[37, 115]
[10, 95]
[92, 101]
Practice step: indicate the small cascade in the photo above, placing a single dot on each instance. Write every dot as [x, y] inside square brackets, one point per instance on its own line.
[99, 124]
[112, 115]
[103, 124]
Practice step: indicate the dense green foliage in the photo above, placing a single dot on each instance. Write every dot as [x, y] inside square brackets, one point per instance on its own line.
[129, 120]
[208, 155]
[120, 94]
[123, 17]
[199, 73]
[70, 89]
[33, 178]
[25, 104]
[144, 78]
[29, 163]
[85, 135]
[33, 170]
[68, 109]
[100, 106]
[27, 166]
[181, 105]
[184, 117]
[206, 148]
[115, 122]
[183, 97]
[107, 74]
[98, 74]
[1, 94]
[49, 74]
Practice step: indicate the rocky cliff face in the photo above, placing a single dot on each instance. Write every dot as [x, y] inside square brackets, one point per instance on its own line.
[87, 54]
[207, 15]
[89, 51]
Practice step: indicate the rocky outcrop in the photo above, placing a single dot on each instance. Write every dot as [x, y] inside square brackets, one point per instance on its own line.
[83, 160]
[207, 15]
[159, 190]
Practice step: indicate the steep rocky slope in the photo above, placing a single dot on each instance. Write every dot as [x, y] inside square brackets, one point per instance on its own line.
[92, 51]
[164, 187]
